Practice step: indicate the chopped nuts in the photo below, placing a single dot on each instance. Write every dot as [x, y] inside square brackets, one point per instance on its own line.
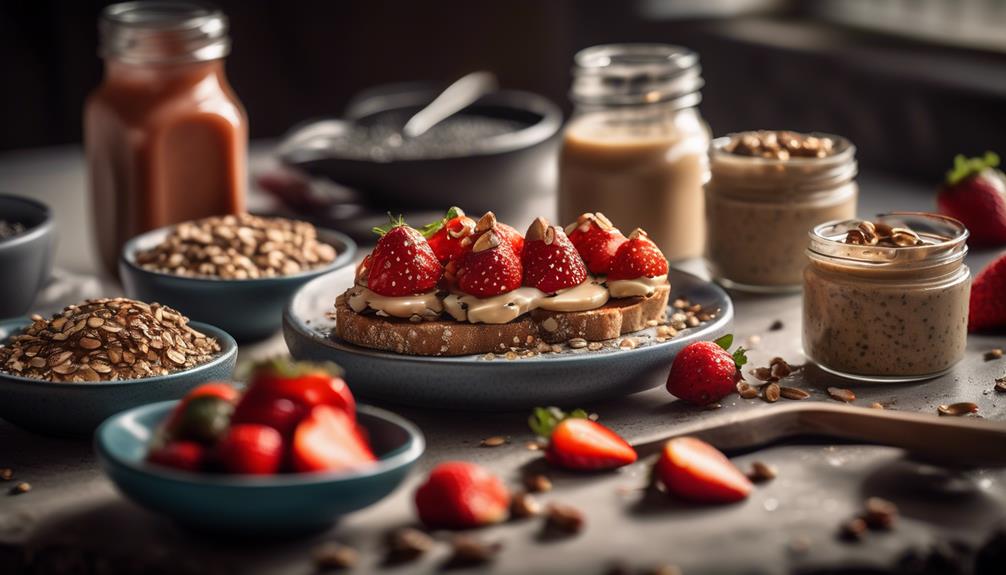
[524, 505]
[406, 544]
[564, 518]
[793, 393]
[335, 556]
[6, 474]
[494, 441]
[957, 409]
[133, 340]
[853, 529]
[776, 325]
[880, 234]
[771, 392]
[746, 390]
[1001, 384]
[761, 472]
[842, 394]
[880, 513]
[877, 405]
[779, 145]
[23, 487]
[993, 354]
[538, 483]
[469, 550]
[238, 247]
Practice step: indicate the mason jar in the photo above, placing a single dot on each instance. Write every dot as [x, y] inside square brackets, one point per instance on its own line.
[762, 198]
[635, 147]
[886, 312]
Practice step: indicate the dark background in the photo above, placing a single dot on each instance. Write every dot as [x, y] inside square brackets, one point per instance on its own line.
[911, 83]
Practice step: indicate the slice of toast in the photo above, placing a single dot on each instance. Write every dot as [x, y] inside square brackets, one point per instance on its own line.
[449, 337]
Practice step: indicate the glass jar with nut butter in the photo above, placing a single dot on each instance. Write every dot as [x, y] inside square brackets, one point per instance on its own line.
[635, 147]
[887, 300]
[766, 190]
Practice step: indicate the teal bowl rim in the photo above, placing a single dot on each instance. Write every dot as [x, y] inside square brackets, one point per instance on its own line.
[228, 349]
[397, 458]
[344, 257]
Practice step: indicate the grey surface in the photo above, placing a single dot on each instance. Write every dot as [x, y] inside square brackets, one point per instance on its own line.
[819, 484]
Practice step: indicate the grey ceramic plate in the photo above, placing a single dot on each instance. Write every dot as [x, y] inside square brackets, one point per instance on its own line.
[570, 378]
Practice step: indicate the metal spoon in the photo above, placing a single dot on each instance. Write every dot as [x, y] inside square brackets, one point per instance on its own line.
[452, 100]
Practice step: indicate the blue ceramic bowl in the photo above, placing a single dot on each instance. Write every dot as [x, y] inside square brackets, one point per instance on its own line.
[67, 409]
[249, 309]
[25, 259]
[250, 505]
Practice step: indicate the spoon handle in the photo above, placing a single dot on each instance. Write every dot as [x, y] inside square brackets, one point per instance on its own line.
[455, 98]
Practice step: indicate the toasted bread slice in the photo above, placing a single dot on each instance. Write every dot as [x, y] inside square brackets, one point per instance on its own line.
[449, 337]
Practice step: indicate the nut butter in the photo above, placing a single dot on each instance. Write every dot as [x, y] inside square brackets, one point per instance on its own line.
[766, 190]
[887, 300]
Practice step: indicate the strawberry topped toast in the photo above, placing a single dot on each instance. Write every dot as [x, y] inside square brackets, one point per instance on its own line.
[460, 286]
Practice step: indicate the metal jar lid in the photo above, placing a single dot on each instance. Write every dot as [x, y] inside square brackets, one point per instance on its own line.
[163, 32]
[634, 74]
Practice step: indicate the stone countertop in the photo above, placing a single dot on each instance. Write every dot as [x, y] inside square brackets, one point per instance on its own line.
[73, 516]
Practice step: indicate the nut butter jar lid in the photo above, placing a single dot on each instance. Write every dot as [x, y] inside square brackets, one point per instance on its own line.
[163, 32]
[634, 74]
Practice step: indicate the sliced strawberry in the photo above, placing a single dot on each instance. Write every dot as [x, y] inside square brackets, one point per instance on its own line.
[449, 235]
[596, 240]
[704, 371]
[279, 413]
[491, 268]
[327, 440]
[585, 445]
[975, 194]
[550, 261]
[988, 297]
[694, 470]
[403, 263]
[508, 234]
[185, 455]
[460, 495]
[250, 449]
[303, 383]
[638, 257]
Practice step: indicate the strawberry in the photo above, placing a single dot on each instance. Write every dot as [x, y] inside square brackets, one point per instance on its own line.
[449, 235]
[550, 261]
[304, 384]
[507, 233]
[597, 240]
[988, 297]
[224, 391]
[403, 263]
[328, 440]
[637, 257]
[579, 443]
[491, 268]
[460, 495]
[694, 470]
[250, 449]
[185, 455]
[704, 371]
[975, 194]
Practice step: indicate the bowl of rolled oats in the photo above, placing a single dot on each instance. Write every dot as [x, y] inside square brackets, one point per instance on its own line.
[236, 272]
[65, 374]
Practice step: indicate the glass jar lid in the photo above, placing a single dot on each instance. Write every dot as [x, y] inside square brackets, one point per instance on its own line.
[634, 74]
[163, 32]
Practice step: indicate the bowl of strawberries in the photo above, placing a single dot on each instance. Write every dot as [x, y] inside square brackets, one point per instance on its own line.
[291, 452]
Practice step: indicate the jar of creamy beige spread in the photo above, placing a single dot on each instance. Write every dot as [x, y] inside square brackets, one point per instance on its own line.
[766, 190]
[882, 310]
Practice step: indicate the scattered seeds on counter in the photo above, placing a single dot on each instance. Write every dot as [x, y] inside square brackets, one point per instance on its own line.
[771, 393]
[407, 544]
[841, 394]
[746, 390]
[762, 472]
[776, 325]
[538, 483]
[331, 556]
[793, 393]
[533, 445]
[880, 514]
[1001, 384]
[877, 405]
[20, 488]
[107, 340]
[993, 354]
[469, 550]
[6, 474]
[564, 518]
[494, 441]
[853, 529]
[595, 346]
[958, 409]
[524, 505]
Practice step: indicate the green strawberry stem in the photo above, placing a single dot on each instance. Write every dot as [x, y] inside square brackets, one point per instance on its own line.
[965, 167]
[433, 227]
[393, 222]
[739, 355]
[544, 419]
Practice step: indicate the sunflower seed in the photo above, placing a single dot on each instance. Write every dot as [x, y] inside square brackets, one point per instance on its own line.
[761, 472]
[746, 390]
[494, 441]
[793, 393]
[524, 505]
[771, 393]
[842, 394]
[957, 409]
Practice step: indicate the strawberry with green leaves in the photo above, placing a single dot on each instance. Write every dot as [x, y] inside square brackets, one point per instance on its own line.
[449, 235]
[579, 443]
[402, 264]
[975, 194]
[705, 371]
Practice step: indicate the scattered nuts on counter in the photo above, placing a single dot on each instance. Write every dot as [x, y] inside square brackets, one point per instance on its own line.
[524, 505]
[957, 409]
[842, 394]
[468, 550]
[564, 518]
[880, 514]
[711, 406]
[330, 556]
[538, 483]
[993, 354]
[761, 472]
[106, 340]
[533, 445]
[18, 489]
[880, 234]
[494, 441]
[6, 474]
[238, 247]
[793, 393]
[780, 145]
[776, 325]
[877, 405]
[771, 393]
[746, 390]
[1001, 384]
[853, 529]
[777, 369]
[10, 229]
[407, 543]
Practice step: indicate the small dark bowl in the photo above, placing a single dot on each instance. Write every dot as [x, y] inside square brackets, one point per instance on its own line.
[75, 409]
[502, 175]
[249, 309]
[26, 259]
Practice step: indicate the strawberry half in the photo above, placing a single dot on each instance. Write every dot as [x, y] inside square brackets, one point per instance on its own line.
[704, 371]
[328, 440]
[597, 241]
[550, 261]
[584, 445]
[975, 194]
[491, 268]
[694, 470]
[637, 257]
[988, 297]
[459, 495]
[449, 235]
[508, 234]
[402, 263]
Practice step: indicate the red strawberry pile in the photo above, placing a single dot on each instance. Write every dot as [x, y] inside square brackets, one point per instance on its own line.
[294, 417]
[975, 194]
[486, 258]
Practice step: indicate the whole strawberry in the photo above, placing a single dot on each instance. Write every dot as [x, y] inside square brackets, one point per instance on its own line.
[637, 257]
[507, 233]
[597, 240]
[491, 268]
[460, 495]
[705, 371]
[550, 261]
[402, 263]
[975, 194]
[449, 235]
[988, 297]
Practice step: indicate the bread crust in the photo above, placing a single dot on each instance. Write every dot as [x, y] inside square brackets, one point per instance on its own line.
[447, 337]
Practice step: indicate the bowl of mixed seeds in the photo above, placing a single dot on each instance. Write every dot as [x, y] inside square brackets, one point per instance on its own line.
[236, 272]
[27, 243]
[65, 374]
